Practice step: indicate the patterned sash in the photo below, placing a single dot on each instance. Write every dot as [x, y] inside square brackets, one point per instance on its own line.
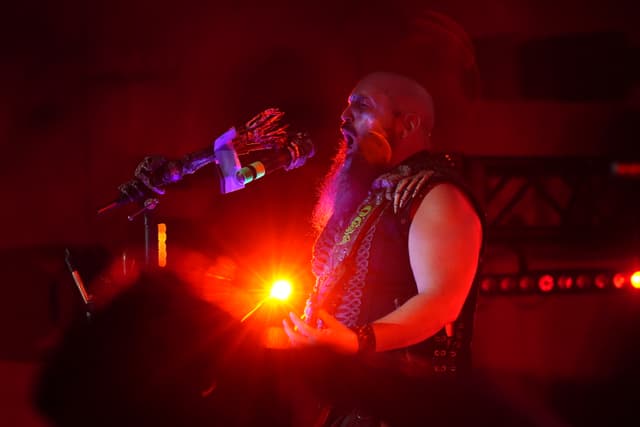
[340, 258]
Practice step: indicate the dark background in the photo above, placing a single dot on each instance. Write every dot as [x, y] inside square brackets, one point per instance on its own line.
[89, 88]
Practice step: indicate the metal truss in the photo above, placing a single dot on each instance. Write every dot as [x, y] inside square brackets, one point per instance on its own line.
[555, 197]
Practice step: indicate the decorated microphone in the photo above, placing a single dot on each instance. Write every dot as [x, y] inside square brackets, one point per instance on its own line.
[266, 132]
[294, 154]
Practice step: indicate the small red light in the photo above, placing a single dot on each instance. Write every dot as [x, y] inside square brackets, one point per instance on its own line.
[619, 280]
[507, 284]
[546, 283]
[565, 282]
[601, 281]
[488, 284]
[162, 245]
[583, 281]
[526, 283]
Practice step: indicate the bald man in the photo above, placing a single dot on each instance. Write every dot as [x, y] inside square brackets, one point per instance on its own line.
[399, 241]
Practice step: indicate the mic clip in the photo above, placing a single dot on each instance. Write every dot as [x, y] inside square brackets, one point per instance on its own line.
[226, 158]
[148, 205]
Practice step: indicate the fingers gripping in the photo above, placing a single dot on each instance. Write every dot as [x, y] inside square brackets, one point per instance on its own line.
[299, 333]
[408, 188]
[134, 190]
[146, 168]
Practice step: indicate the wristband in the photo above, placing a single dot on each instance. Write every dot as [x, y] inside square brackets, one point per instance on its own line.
[366, 339]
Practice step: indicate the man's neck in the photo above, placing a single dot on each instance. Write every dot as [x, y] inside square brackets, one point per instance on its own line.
[407, 148]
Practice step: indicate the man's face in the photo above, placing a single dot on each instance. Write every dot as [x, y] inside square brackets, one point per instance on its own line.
[369, 125]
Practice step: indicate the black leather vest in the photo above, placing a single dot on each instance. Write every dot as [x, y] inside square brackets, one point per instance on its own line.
[379, 277]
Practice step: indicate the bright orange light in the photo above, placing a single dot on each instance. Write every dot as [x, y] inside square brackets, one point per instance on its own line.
[488, 284]
[274, 337]
[583, 281]
[635, 280]
[162, 245]
[281, 289]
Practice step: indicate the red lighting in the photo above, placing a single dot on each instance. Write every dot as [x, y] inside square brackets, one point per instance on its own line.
[635, 280]
[601, 281]
[507, 284]
[583, 281]
[619, 280]
[488, 284]
[274, 337]
[626, 169]
[526, 283]
[546, 283]
[565, 282]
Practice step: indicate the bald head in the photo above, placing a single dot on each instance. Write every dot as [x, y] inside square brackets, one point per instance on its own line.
[405, 95]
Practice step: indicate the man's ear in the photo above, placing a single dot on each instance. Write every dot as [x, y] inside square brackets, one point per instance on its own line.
[410, 123]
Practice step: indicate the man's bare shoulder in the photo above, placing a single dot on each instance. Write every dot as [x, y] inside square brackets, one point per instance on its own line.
[447, 203]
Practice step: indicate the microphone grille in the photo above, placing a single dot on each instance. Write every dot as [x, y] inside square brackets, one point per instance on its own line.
[301, 148]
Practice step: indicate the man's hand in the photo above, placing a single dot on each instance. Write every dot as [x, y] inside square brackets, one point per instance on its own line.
[147, 167]
[135, 190]
[334, 334]
[402, 186]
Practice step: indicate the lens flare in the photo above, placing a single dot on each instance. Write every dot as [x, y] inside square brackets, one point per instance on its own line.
[281, 289]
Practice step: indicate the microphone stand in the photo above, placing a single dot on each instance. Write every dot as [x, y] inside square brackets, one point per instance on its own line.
[147, 237]
[148, 206]
[264, 131]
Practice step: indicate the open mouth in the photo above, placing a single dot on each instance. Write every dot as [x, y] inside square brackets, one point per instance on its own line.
[348, 136]
[349, 140]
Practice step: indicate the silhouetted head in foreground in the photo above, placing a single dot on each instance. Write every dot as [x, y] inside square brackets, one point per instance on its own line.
[156, 355]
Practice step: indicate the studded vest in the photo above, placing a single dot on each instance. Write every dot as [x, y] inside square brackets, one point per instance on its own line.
[363, 271]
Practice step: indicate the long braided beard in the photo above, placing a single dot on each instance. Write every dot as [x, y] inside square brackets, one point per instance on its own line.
[343, 188]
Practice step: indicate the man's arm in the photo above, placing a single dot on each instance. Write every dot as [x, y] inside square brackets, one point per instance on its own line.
[444, 245]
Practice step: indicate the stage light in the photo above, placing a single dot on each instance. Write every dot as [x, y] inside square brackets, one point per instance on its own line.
[526, 283]
[583, 281]
[558, 281]
[162, 245]
[281, 289]
[619, 280]
[635, 280]
[601, 281]
[546, 283]
[488, 284]
[507, 284]
[565, 282]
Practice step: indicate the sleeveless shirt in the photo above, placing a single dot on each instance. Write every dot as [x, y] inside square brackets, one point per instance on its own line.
[363, 272]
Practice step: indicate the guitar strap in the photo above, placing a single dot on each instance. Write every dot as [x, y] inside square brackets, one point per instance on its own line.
[324, 293]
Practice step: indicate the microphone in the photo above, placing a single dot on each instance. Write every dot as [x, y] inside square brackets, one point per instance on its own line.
[293, 155]
[155, 172]
[265, 131]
